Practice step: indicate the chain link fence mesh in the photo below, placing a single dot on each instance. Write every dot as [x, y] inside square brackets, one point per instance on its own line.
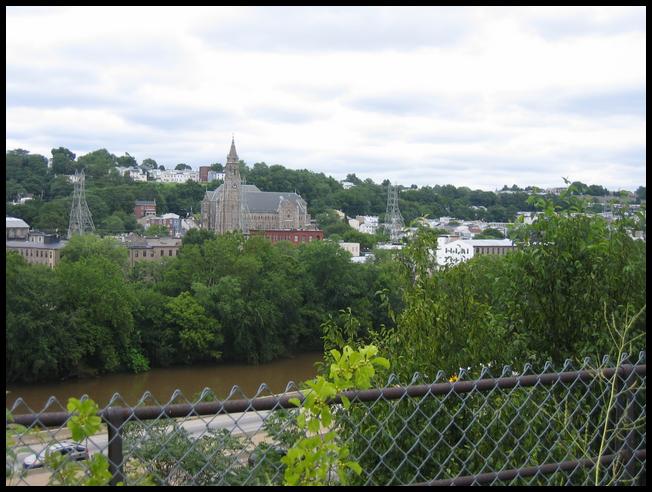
[579, 426]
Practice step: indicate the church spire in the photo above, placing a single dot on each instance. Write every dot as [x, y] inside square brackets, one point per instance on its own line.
[233, 155]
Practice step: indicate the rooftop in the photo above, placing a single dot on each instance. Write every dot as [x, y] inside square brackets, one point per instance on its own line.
[32, 245]
[14, 222]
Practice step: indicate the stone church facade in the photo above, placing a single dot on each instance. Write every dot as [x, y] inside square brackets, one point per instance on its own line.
[234, 206]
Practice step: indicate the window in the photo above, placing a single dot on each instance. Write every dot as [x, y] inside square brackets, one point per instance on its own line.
[161, 252]
[169, 252]
[136, 254]
[152, 254]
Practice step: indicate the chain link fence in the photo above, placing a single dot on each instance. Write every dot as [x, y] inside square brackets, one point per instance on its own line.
[579, 426]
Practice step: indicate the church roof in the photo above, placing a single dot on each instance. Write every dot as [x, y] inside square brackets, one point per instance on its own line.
[258, 201]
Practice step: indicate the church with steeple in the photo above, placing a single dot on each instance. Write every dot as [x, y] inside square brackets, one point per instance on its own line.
[235, 206]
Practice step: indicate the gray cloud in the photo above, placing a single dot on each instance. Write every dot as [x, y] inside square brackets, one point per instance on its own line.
[281, 114]
[298, 29]
[581, 23]
[622, 102]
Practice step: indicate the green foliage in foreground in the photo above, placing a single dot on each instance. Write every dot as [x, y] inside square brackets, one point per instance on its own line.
[83, 424]
[314, 458]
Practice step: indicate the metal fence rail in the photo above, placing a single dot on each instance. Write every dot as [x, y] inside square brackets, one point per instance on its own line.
[578, 426]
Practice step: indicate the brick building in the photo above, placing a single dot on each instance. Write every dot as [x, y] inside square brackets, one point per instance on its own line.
[144, 208]
[294, 236]
[203, 173]
[151, 249]
[38, 248]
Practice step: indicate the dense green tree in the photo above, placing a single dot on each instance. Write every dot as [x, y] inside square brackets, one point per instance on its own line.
[182, 166]
[60, 187]
[63, 161]
[98, 300]
[113, 224]
[198, 236]
[14, 190]
[199, 336]
[53, 216]
[149, 164]
[127, 161]
[640, 193]
[156, 230]
[97, 163]
[490, 233]
[90, 246]
[38, 346]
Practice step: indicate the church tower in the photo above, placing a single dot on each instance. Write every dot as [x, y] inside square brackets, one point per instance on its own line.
[229, 206]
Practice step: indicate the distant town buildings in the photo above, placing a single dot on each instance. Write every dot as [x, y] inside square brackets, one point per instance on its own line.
[150, 249]
[171, 221]
[353, 248]
[16, 229]
[294, 236]
[206, 175]
[134, 173]
[215, 175]
[364, 223]
[174, 175]
[35, 247]
[203, 173]
[451, 252]
[347, 184]
[143, 208]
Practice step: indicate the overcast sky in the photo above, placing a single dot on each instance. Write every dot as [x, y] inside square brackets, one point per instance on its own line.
[474, 96]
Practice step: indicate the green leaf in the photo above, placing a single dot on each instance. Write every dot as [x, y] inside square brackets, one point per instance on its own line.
[295, 401]
[381, 361]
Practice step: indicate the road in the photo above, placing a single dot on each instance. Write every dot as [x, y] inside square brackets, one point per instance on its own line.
[245, 423]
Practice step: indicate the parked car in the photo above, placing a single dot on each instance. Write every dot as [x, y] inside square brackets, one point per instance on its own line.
[75, 450]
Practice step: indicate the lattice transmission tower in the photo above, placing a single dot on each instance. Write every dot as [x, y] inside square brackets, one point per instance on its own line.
[81, 220]
[393, 219]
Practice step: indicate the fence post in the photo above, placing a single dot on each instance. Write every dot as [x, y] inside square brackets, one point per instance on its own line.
[114, 423]
[630, 444]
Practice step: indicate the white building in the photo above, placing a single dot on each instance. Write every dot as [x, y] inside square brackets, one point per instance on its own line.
[367, 223]
[354, 224]
[528, 217]
[214, 176]
[347, 184]
[22, 200]
[454, 252]
[175, 176]
[353, 248]
[134, 173]
[16, 229]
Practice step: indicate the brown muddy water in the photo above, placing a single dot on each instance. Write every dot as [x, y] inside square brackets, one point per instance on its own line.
[162, 383]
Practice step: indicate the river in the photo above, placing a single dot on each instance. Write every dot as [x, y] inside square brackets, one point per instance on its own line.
[162, 383]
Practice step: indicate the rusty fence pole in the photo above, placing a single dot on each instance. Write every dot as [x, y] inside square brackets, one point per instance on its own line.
[114, 422]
